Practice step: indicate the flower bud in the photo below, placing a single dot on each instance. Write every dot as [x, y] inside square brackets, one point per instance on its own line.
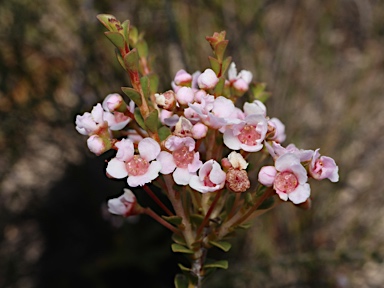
[267, 175]
[182, 78]
[98, 145]
[183, 127]
[207, 79]
[199, 131]
[185, 95]
[124, 205]
[237, 160]
[114, 102]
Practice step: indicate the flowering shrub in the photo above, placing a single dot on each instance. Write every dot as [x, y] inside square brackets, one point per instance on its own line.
[217, 163]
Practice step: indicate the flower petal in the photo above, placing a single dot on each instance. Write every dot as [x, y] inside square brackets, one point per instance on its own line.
[116, 169]
[300, 194]
[149, 149]
[152, 173]
[168, 165]
[182, 176]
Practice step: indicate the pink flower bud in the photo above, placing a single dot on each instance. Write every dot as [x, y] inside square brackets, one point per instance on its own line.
[124, 205]
[207, 79]
[241, 85]
[114, 102]
[185, 95]
[182, 78]
[267, 175]
[98, 145]
[199, 131]
[167, 100]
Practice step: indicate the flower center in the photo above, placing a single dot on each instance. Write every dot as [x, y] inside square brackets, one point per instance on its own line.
[248, 135]
[286, 182]
[208, 182]
[183, 157]
[137, 166]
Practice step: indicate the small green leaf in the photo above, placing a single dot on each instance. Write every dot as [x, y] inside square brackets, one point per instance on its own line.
[267, 203]
[120, 59]
[152, 121]
[223, 245]
[176, 220]
[116, 38]
[164, 132]
[181, 281]
[181, 249]
[142, 48]
[178, 239]
[258, 92]
[133, 95]
[144, 81]
[139, 118]
[214, 64]
[245, 225]
[248, 199]
[197, 219]
[108, 21]
[183, 268]
[131, 60]
[225, 64]
[125, 26]
[222, 264]
[260, 190]
[220, 49]
[133, 35]
[153, 82]
[219, 86]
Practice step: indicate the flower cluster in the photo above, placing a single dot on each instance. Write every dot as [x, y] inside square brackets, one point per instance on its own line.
[195, 139]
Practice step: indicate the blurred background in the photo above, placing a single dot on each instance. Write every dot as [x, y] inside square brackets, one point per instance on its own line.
[323, 62]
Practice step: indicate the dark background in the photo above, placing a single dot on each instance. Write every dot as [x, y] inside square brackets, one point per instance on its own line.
[323, 62]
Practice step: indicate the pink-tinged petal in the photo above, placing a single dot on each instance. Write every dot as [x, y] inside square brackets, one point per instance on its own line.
[279, 135]
[282, 195]
[241, 85]
[196, 163]
[168, 165]
[300, 172]
[98, 113]
[122, 205]
[112, 102]
[267, 175]
[300, 194]
[232, 71]
[207, 79]
[246, 76]
[125, 150]
[152, 173]
[97, 145]
[198, 185]
[222, 107]
[217, 175]
[116, 169]
[286, 161]
[255, 108]
[185, 95]
[115, 206]
[253, 148]
[231, 141]
[149, 149]
[174, 143]
[205, 169]
[182, 176]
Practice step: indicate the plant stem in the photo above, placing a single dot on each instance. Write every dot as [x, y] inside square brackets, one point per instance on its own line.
[157, 200]
[206, 218]
[152, 214]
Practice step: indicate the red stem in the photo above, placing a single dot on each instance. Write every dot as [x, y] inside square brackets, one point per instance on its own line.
[157, 200]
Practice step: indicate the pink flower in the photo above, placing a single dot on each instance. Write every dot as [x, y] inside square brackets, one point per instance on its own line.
[91, 123]
[323, 167]
[239, 81]
[279, 128]
[182, 78]
[207, 79]
[288, 178]
[276, 150]
[123, 205]
[211, 178]
[248, 135]
[185, 95]
[113, 102]
[140, 169]
[183, 161]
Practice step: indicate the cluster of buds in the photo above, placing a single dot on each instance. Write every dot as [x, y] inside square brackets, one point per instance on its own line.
[194, 139]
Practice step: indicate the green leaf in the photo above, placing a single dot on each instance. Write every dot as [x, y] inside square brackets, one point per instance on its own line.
[183, 268]
[225, 64]
[133, 95]
[248, 199]
[131, 60]
[245, 225]
[178, 239]
[142, 48]
[108, 21]
[260, 190]
[222, 264]
[176, 220]
[223, 245]
[116, 38]
[181, 281]
[153, 82]
[152, 121]
[125, 26]
[258, 92]
[139, 119]
[133, 35]
[144, 81]
[197, 219]
[214, 64]
[219, 86]
[267, 203]
[181, 249]
[220, 49]
[120, 59]
[164, 132]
